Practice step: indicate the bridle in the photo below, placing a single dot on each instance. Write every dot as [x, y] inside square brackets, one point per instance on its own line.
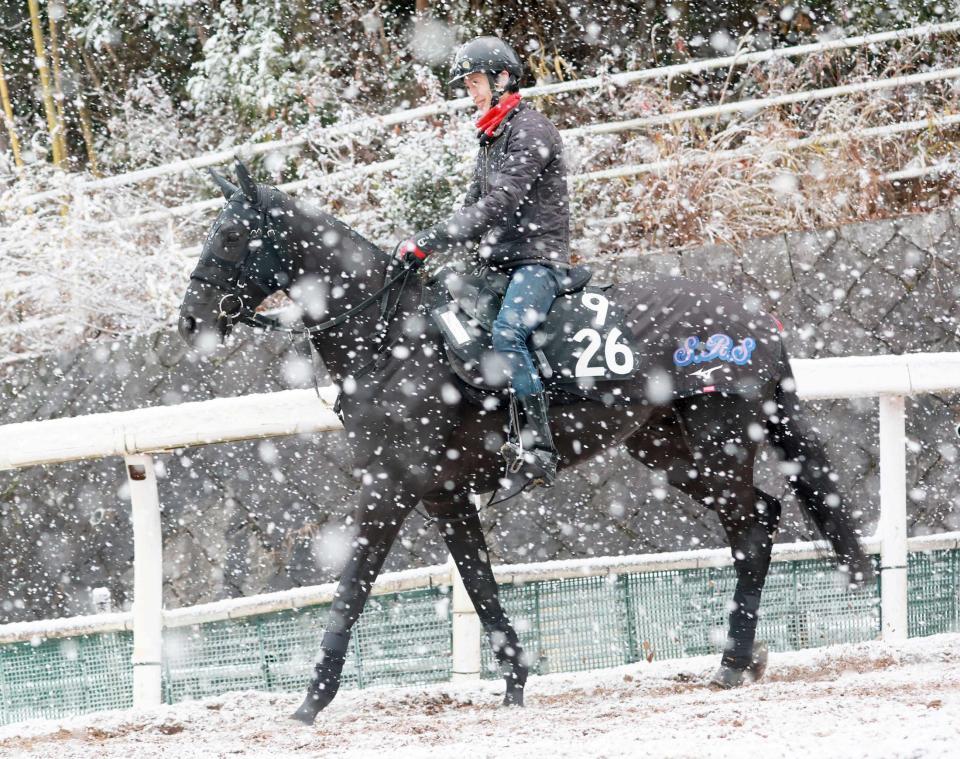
[233, 278]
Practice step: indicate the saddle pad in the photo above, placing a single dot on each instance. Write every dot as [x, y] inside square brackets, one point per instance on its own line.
[583, 341]
[645, 341]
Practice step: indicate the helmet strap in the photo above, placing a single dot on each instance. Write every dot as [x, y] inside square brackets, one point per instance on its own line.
[495, 99]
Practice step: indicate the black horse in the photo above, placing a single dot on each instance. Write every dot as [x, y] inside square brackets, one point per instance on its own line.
[419, 435]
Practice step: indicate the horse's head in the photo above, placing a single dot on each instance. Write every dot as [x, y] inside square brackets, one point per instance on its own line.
[242, 261]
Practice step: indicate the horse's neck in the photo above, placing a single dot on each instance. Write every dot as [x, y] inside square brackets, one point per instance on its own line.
[346, 264]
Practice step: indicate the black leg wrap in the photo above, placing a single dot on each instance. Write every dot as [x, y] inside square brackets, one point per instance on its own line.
[509, 654]
[323, 686]
[727, 677]
[743, 627]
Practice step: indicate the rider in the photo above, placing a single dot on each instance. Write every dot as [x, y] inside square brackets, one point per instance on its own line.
[517, 209]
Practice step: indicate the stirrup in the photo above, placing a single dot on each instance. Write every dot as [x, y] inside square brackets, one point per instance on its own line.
[543, 471]
[536, 465]
[512, 453]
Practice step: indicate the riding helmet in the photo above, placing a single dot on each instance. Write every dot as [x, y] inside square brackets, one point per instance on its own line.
[490, 55]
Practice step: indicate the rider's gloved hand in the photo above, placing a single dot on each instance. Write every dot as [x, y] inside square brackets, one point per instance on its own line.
[411, 253]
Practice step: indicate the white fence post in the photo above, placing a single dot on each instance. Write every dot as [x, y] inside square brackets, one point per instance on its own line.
[466, 630]
[147, 580]
[893, 518]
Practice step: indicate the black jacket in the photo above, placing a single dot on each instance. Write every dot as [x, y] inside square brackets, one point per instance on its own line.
[517, 205]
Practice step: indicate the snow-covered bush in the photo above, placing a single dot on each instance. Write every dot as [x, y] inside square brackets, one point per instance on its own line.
[247, 74]
[146, 129]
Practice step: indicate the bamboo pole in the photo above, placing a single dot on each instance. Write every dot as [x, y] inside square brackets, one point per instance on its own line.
[87, 134]
[86, 125]
[58, 86]
[41, 61]
[8, 119]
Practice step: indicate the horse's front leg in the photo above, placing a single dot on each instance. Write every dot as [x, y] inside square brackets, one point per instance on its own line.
[383, 507]
[459, 524]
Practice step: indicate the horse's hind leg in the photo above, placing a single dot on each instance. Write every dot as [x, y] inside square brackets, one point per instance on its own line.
[704, 447]
[718, 428]
[459, 524]
[816, 483]
[662, 445]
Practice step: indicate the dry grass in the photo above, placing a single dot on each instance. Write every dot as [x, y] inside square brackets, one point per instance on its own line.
[740, 177]
[71, 273]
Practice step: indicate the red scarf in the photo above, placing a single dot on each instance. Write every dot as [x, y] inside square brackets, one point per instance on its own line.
[489, 122]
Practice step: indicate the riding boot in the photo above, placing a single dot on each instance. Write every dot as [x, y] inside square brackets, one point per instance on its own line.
[542, 469]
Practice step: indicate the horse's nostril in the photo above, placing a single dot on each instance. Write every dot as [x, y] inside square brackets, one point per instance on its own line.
[188, 325]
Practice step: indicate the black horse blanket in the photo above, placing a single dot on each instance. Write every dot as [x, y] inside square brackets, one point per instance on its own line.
[650, 340]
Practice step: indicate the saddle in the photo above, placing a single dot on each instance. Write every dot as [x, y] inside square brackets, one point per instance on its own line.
[581, 342]
[480, 296]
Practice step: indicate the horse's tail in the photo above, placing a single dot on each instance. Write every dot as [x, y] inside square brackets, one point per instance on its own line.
[813, 479]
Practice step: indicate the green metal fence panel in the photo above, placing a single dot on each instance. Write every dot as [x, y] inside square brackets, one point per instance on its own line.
[679, 614]
[405, 638]
[402, 638]
[807, 604]
[266, 652]
[63, 676]
[587, 623]
[933, 588]
[567, 625]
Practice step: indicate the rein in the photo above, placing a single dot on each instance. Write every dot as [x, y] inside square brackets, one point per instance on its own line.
[273, 325]
[233, 278]
[270, 324]
[232, 305]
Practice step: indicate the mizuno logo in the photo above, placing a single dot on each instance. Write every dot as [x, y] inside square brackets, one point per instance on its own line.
[705, 374]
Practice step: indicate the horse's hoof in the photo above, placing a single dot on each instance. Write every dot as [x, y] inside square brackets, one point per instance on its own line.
[727, 677]
[318, 698]
[323, 687]
[513, 697]
[307, 712]
[758, 662]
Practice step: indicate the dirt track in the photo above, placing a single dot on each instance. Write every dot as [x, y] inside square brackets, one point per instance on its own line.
[869, 700]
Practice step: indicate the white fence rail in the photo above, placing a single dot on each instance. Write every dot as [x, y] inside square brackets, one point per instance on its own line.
[136, 434]
[382, 122]
[613, 127]
[752, 151]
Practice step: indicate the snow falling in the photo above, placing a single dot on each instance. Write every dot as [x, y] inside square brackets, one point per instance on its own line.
[806, 201]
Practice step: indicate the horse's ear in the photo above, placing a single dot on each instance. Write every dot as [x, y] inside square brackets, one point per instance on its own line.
[247, 184]
[225, 185]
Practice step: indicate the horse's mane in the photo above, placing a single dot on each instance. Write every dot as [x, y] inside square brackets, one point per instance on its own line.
[321, 219]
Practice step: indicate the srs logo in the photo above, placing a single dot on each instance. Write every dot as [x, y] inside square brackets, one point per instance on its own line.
[717, 347]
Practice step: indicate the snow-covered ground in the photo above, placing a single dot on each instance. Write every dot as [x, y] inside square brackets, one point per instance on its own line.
[866, 700]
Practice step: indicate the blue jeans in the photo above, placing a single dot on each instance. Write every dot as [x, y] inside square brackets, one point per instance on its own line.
[529, 295]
